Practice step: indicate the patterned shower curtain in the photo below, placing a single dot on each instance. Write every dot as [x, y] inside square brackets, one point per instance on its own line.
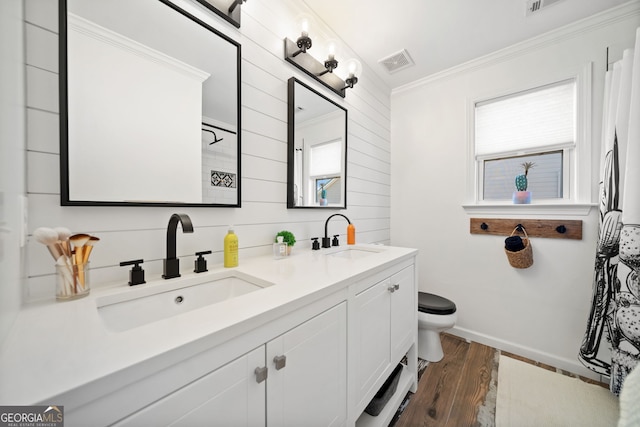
[615, 305]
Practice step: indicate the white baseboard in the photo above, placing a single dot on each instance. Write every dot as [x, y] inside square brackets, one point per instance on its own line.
[573, 366]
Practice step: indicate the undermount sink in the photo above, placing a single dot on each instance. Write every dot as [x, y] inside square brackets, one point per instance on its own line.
[151, 303]
[355, 252]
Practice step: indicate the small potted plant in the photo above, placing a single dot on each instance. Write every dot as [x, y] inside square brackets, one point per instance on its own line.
[288, 238]
[521, 195]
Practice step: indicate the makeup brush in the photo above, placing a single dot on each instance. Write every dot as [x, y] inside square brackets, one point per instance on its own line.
[63, 236]
[49, 238]
[88, 247]
[78, 241]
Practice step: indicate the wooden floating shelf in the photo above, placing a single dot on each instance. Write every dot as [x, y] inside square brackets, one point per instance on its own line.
[554, 229]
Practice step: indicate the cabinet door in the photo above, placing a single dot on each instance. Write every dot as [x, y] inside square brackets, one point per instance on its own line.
[404, 317]
[229, 396]
[307, 383]
[373, 331]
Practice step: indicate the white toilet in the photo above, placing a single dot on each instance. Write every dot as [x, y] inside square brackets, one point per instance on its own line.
[435, 314]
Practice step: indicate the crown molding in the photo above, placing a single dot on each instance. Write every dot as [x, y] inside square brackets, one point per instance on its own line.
[605, 18]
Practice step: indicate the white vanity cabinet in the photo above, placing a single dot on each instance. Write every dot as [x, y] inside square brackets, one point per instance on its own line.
[326, 335]
[386, 329]
[298, 378]
[311, 388]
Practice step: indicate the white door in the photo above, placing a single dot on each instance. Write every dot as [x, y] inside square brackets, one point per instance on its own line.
[227, 397]
[372, 335]
[307, 383]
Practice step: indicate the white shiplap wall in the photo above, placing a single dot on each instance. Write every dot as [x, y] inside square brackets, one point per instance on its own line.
[140, 232]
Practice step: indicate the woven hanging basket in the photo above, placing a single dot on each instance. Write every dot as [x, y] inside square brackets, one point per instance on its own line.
[524, 257]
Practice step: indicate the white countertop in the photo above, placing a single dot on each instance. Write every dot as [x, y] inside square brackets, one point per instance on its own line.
[55, 347]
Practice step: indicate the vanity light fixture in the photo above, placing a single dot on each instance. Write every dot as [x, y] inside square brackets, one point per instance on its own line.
[304, 41]
[235, 4]
[322, 71]
[331, 63]
[355, 69]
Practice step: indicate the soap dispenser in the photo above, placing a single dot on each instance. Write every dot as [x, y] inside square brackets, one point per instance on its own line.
[351, 234]
[231, 249]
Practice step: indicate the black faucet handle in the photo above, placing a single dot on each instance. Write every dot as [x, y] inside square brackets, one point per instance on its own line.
[200, 264]
[315, 245]
[136, 274]
[335, 240]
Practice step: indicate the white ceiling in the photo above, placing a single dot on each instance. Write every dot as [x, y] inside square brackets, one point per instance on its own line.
[439, 34]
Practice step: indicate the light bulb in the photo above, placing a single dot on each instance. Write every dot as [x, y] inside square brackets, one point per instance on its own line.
[332, 47]
[305, 23]
[354, 67]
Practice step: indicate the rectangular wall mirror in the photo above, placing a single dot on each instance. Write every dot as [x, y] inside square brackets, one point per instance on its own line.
[149, 114]
[317, 150]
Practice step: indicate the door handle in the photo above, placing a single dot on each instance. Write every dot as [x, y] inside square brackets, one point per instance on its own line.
[396, 286]
[280, 362]
[391, 289]
[261, 374]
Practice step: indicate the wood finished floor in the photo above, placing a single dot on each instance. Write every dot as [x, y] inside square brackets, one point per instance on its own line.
[459, 391]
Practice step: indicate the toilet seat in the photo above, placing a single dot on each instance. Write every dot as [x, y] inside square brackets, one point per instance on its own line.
[435, 304]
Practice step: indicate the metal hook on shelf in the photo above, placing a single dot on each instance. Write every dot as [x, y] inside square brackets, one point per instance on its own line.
[520, 227]
[561, 229]
[484, 226]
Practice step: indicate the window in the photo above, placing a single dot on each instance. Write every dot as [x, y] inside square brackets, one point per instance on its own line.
[538, 125]
[324, 171]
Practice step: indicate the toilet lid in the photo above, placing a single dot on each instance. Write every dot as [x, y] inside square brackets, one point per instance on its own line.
[435, 304]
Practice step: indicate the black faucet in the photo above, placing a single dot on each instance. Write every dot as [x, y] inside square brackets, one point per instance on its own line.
[326, 240]
[171, 265]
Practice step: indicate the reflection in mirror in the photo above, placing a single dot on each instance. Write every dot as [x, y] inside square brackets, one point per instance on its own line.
[149, 113]
[227, 9]
[317, 150]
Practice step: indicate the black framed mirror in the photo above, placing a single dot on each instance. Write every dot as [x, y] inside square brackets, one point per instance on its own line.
[317, 149]
[149, 114]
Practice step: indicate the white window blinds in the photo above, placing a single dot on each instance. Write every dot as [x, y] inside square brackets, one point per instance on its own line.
[530, 120]
[323, 159]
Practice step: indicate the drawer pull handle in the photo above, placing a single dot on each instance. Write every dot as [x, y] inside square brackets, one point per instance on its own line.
[396, 286]
[391, 289]
[261, 374]
[280, 362]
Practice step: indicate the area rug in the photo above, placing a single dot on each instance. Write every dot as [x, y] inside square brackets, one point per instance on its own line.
[531, 396]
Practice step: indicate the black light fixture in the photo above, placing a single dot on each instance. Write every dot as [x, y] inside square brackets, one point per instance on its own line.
[322, 71]
[304, 41]
[355, 69]
[235, 4]
[331, 63]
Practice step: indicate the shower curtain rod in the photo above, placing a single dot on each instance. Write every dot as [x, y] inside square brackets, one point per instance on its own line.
[218, 127]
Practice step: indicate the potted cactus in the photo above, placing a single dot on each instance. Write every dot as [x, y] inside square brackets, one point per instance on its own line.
[288, 238]
[521, 195]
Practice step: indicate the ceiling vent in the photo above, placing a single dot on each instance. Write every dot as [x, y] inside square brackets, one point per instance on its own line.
[396, 62]
[534, 6]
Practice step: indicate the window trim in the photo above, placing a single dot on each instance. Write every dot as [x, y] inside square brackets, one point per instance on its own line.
[578, 159]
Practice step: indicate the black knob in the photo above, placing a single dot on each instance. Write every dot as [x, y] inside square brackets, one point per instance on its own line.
[315, 245]
[200, 264]
[335, 240]
[136, 274]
